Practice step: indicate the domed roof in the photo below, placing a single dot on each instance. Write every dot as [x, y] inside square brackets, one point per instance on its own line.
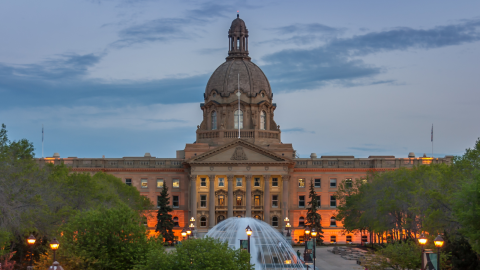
[225, 79]
[238, 25]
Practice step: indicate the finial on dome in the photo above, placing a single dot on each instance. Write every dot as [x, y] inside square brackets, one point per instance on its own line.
[238, 14]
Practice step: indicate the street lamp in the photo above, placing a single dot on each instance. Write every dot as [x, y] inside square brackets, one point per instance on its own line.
[248, 230]
[192, 225]
[307, 237]
[184, 233]
[438, 243]
[314, 236]
[189, 232]
[422, 241]
[287, 226]
[54, 246]
[31, 241]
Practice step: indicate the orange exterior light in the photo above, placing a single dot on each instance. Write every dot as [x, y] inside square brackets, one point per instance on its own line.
[248, 230]
[314, 232]
[31, 240]
[422, 240]
[189, 231]
[54, 244]
[438, 241]
[192, 219]
[286, 219]
[288, 261]
[307, 231]
[288, 225]
[184, 232]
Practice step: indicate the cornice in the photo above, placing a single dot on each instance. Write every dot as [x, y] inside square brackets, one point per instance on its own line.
[236, 163]
[343, 169]
[127, 170]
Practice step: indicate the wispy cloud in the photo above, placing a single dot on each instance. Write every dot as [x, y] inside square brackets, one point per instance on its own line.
[338, 59]
[301, 130]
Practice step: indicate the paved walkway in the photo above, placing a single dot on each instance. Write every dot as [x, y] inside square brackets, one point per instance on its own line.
[328, 261]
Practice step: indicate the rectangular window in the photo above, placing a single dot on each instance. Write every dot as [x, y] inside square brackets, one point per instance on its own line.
[239, 182]
[203, 201]
[274, 200]
[333, 183]
[158, 201]
[301, 201]
[221, 182]
[203, 182]
[239, 200]
[301, 238]
[274, 182]
[128, 182]
[319, 202]
[159, 183]
[256, 182]
[221, 200]
[333, 202]
[348, 183]
[144, 183]
[176, 183]
[318, 182]
[256, 200]
[301, 182]
[175, 201]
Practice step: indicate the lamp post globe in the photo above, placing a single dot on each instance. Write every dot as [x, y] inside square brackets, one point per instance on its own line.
[422, 240]
[54, 245]
[249, 232]
[31, 241]
[184, 233]
[438, 241]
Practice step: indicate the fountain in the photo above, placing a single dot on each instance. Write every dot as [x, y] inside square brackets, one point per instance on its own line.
[268, 248]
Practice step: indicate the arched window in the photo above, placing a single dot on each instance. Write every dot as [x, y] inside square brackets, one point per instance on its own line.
[238, 116]
[175, 222]
[220, 219]
[333, 222]
[257, 217]
[214, 120]
[203, 222]
[263, 120]
[238, 44]
[349, 238]
[333, 239]
[275, 221]
[301, 222]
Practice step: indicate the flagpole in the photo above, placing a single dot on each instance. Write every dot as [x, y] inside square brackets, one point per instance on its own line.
[42, 140]
[432, 141]
[238, 94]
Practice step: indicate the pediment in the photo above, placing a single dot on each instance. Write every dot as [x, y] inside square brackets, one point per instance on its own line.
[238, 151]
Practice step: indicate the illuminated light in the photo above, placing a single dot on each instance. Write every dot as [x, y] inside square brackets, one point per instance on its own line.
[248, 230]
[288, 225]
[192, 219]
[422, 240]
[31, 240]
[438, 241]
[288, 261]
[54, 244]
[307, 231]
[314, 232]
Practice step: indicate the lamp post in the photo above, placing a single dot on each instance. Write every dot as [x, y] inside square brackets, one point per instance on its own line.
[422, 241]
[287, 226]
[438, 243]
[189, 232]
[248, 230]
[184, 234]
[31, 241]
[314, 236]
[192, 225]
[307, 237]
[54, 246]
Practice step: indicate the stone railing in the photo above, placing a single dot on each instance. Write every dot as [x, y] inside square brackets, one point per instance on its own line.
[233, 134]
[365, 163]
[105, 163]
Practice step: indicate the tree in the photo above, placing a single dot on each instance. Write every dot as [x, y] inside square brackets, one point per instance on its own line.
[104, 239]
[198, 254]
[314, 219]
[164, 219]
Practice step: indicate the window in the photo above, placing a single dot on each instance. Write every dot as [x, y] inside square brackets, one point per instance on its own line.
[333, 183]
[144, 163]
[301, 201]
[144, 183]
[175, 222]
[159, 198]
[301, 182]
[203, 182]
[275, 221]
[176, 183]
[333, 222]
[319, 202]
[301, 222]
[333, 202]
[239, 200]
[175, 201]
[203, 222]
[333, 239]
[221, 200]
[318, 182]
[256, 200]
[145, 221]
[238, 44]
[263, 120]
[348, 183]
[214, 120]
[274, 200]
[256, 182]
[238, 116]
[159, 183]
[274, 182]
[221, 182]
[239, 182]
[125, 162]
[203, 201]
[332, 163]
[220, 219]
[349, 238]
[257, 217]
[364, 238]
[301, 239]
[128, 182]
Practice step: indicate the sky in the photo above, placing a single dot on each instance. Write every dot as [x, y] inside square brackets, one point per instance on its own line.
[125, 77]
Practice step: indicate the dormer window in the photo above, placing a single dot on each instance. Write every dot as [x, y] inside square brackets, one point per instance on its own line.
[263, 94]
[263, 120]
[214, 120]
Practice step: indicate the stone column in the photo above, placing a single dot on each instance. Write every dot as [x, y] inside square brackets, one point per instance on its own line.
[285, 183]
[248, 197]
[193, 196]
[267, 200]
[211, 197]
[230, 196]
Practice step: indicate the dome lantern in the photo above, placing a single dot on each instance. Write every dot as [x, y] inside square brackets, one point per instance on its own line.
[238, 39]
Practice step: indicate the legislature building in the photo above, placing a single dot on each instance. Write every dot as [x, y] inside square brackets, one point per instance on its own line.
[239, 166]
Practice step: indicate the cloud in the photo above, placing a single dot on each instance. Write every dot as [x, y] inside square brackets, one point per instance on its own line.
[301, 130]
[337, 61]
[368, 149]
[312, 28]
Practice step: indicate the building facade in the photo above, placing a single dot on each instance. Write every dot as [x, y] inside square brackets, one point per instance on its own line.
[238, 166]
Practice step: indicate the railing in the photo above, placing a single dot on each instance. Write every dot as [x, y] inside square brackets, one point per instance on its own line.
[209, 134]
[114, 163]
[268, 134]
[233, 133]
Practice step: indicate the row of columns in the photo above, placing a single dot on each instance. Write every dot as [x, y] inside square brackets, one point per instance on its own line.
[230, 178]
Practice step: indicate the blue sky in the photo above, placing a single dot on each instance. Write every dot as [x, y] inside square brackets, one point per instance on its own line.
[121, 78]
